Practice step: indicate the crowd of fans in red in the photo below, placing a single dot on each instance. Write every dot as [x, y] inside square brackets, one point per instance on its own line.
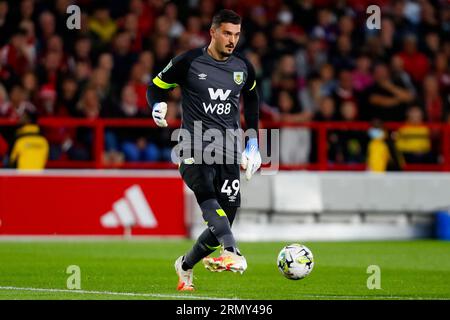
[315, 60]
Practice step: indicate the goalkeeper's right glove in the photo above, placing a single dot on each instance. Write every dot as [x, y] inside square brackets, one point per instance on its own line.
[251, 158]
[159, 113]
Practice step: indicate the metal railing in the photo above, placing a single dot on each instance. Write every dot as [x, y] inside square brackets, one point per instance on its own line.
[98, 127]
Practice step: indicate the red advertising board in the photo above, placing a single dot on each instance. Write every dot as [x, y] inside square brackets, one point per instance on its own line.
[91, 204]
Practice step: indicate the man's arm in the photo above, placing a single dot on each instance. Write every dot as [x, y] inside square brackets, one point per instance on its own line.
[251, 99]
[251, 158]
[157, 91]
[251, 110]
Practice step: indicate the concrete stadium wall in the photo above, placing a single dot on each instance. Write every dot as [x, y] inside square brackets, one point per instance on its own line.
[298, 206]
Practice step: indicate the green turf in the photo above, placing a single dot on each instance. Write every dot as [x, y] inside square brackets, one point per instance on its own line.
[416, 269]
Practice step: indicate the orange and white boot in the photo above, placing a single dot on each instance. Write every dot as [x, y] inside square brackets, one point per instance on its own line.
[185, 278]
[227, 261]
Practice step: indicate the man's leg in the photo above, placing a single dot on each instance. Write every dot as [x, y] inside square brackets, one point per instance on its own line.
[206, 243]
[200, 179]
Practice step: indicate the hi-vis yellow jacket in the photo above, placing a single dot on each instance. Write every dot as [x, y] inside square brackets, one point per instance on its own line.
[30, 151]
[378, 155]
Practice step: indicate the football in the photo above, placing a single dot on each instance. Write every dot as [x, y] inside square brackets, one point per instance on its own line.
[295, 261]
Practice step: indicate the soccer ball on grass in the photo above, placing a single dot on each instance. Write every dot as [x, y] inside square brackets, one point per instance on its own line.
[295, 261]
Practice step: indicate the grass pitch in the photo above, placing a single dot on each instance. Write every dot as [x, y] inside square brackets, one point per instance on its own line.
[143, 269]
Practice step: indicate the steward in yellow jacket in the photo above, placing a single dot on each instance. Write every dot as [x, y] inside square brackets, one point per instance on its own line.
[30, 150]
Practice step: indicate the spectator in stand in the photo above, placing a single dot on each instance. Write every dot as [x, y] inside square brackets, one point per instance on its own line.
[344, 91]
[432, 101]
[88, 107]
[295, 143]
[311, 59]
[82, 51]
[362, 77]
[139, 84]
[325, 28]
[18, 104]
[101, 82]
[327, 112]
[442, 72]
[311, 95]
[123, 59]
[257, 21]
[413, 138]
[30, 149]
[400, 76]
[68, 97]
[17, 54]
[61, 139]
[83, 71]
[146, 60]
[197, 37]
[207, 9]
[30, 38]
[101, 24]
[342, 56]
[135, 143]
[131, 25]
[162, 27]
[387, 100]
[106, 62]
[162, 52]
[176, 27]
[47, 28]
[328, 80]
[49, 75]
[378, 154]
[30, 83]
[351, 143]
[414, 61]
[27, 9]
[6, 23]
[432, 44]
[294, 33]
[263, 83]
[285, 77]
[259, 45]
[146, 17]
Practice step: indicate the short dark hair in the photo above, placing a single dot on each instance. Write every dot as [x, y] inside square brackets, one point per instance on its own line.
[225, 16]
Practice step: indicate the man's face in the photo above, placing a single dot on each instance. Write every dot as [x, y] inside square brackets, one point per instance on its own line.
[226, 38]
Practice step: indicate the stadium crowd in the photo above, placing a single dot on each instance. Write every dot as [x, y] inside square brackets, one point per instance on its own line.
[315, 60]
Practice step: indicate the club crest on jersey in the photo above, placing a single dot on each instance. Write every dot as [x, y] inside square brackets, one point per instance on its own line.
[238, 77]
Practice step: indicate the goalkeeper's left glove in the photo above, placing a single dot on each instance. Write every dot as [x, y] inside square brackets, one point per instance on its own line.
[159, 113]
[251, 158]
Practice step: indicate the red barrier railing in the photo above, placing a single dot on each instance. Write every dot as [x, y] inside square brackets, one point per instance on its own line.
[98, 126]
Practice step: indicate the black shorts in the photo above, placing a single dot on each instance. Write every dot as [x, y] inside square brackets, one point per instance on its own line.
[220, 181]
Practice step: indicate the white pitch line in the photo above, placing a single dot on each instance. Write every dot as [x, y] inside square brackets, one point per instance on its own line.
[188, 296]
[376, 297]
[111, 293]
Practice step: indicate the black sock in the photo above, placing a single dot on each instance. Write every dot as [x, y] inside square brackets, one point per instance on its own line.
[218, 222]
[206, 244]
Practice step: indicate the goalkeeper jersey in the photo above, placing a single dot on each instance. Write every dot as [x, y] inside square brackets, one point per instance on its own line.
[211, 92]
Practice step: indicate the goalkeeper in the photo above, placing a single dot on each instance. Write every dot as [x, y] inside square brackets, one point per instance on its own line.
[212, 79]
